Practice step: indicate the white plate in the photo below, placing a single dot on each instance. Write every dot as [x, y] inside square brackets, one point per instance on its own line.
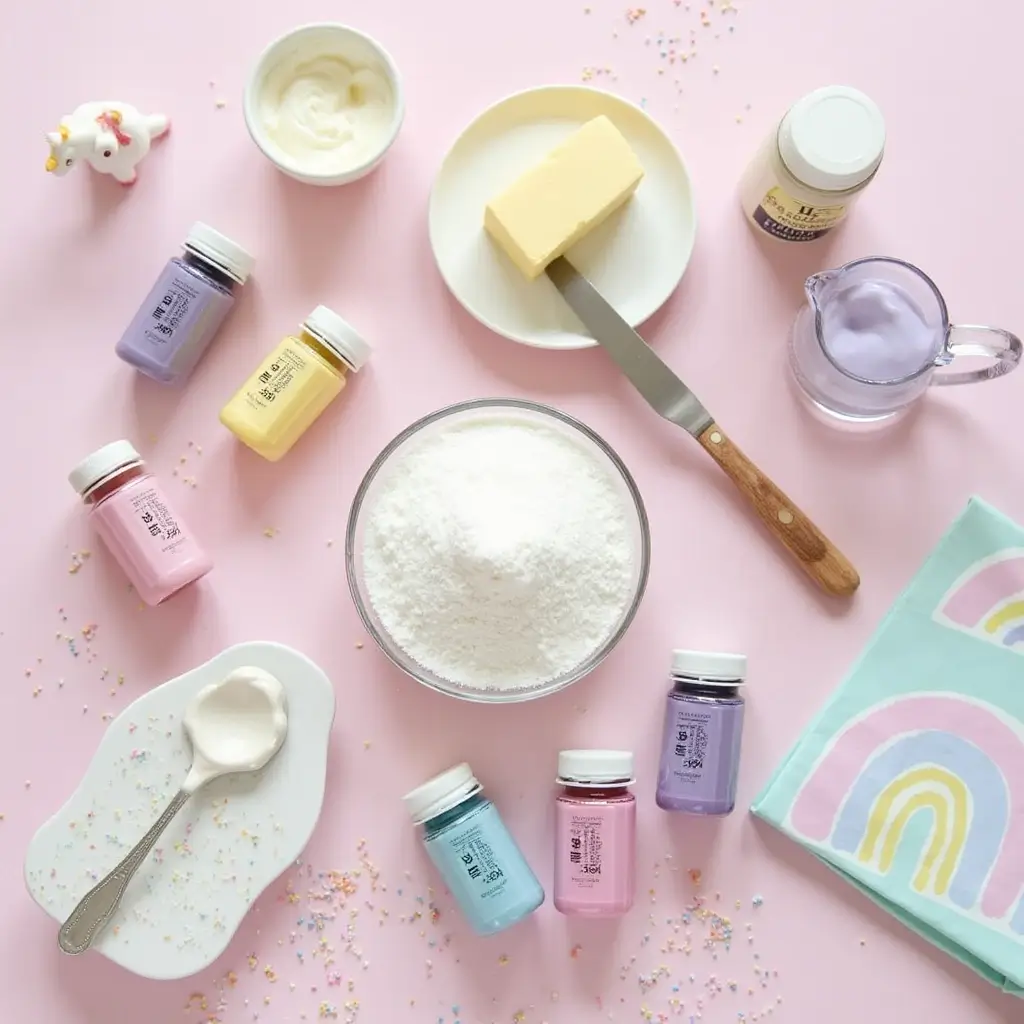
[636, 258]
[227, 844]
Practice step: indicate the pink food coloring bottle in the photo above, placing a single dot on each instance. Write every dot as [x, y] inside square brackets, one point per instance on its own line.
[130, 511]
[595, 833]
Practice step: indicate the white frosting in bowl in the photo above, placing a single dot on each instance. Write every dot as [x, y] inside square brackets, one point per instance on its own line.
[324, 103]
[326, 114]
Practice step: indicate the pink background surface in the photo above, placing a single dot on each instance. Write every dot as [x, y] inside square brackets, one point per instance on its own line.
[80, 254]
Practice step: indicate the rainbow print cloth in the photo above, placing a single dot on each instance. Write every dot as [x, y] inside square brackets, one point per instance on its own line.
[910, 783]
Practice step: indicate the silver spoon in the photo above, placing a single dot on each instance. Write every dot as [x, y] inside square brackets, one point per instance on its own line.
[235, 725]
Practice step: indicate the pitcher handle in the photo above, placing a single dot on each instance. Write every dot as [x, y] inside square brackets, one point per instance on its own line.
[992, 343]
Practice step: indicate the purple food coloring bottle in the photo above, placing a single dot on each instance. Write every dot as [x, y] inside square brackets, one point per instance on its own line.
[700, 749]
[187, 305]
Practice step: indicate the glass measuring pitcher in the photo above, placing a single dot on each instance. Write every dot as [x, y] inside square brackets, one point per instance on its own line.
[875, 334]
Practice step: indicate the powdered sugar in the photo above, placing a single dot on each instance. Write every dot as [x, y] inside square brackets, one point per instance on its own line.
[499, 552]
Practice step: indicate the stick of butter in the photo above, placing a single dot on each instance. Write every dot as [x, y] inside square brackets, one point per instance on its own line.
[554, 204]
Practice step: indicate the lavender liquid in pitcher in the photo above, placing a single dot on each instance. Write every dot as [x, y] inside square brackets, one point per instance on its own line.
[871, 336]
[875, 330]
[864, 347]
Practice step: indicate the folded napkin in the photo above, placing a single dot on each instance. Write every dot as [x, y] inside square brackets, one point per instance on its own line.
[910, 783]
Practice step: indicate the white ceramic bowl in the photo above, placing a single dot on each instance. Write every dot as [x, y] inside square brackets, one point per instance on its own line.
[329, 39]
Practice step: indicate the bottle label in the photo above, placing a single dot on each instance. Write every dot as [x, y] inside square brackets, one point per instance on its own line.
[485, 870]
[691, 744]
[478, 862]
[595, 856]
[174, 307]
[586, 848]
[782, 216]
[156, 520]
[275, 376]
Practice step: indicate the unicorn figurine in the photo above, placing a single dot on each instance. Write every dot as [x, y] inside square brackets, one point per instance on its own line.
[113, 137]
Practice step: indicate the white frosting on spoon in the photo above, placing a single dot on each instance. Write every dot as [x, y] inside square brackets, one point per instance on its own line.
[236, 725]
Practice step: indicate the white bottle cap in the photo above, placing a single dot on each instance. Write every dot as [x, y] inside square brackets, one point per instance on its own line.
[833, 138]
[715, 669]
[595, 767]
[441, 793]
[98, 466]
[219, 249]
[339, 336]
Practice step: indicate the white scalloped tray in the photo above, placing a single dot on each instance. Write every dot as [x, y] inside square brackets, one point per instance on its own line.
[228, 843]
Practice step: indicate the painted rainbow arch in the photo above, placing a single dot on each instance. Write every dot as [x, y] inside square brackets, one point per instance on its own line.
[987, 601]
[956, 762]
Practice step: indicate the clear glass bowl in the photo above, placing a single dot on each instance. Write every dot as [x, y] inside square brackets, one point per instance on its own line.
[443, 419]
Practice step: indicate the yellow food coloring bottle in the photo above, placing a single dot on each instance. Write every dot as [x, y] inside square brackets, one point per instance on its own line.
[294, 384]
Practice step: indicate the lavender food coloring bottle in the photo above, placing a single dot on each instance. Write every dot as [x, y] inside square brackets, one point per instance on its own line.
[186, 307]
[700, 749]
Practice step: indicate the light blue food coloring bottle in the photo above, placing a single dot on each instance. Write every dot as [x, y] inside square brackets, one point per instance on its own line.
[474, 851]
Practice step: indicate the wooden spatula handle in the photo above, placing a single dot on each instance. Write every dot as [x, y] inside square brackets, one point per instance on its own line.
[824, 563]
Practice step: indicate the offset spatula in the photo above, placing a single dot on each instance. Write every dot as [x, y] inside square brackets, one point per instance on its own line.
[668, 396]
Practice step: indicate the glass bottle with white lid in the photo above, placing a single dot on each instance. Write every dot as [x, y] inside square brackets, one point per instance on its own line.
[595, 833]
[698, 770]
[186, 306]
[473, 850]
[296, 382]
[136, 520]
[814, 164]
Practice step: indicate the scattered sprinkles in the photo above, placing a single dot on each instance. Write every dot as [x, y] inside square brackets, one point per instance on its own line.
[678, 968]
[78, 559]
[675, 47]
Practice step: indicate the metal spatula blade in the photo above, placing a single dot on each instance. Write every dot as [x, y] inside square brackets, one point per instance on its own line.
[665, 393]
[668, 396]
